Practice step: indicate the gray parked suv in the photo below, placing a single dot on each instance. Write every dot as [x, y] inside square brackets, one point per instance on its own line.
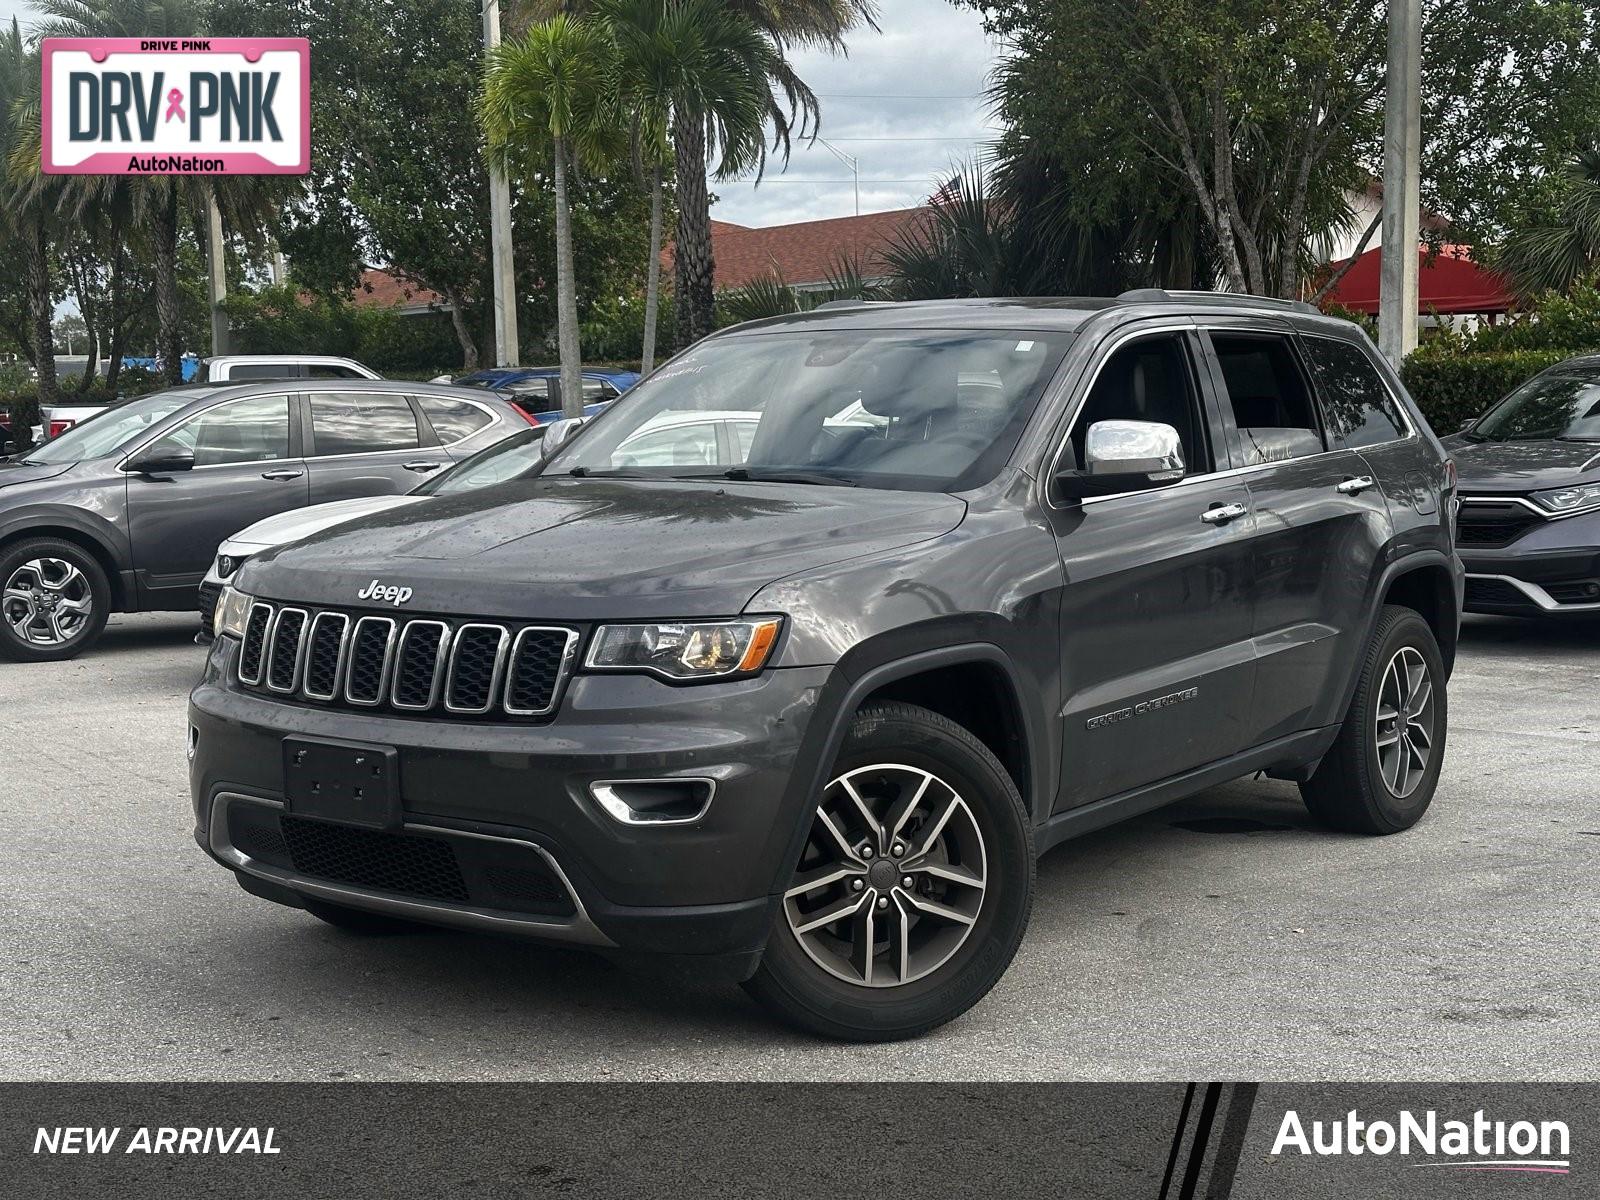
[802, 704]
[124, 512]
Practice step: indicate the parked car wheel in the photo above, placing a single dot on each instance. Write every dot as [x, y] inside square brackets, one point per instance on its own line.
[914, 887]
[359, 920]
[1381, 773]
[54, 600]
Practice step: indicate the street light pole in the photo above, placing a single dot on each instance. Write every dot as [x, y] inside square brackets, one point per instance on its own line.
[506, 353]
[217, 274]
[850, 161]
[1402, 182]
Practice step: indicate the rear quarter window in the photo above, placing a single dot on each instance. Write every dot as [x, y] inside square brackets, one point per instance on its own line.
[1358, 408]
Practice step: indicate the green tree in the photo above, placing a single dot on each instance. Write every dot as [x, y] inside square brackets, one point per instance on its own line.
[686, 55]
[1554, 255]
[26, 208]
[699, 137]
[549, 96]
[1263, 116]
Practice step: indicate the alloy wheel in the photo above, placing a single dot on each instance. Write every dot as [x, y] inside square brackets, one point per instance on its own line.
[47, 601]
[1405, 721]
[892, 878]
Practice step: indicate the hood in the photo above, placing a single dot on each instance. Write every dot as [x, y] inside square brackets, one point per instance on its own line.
[297, 523]
[1522, 466]
[15, 471]
[575, 550]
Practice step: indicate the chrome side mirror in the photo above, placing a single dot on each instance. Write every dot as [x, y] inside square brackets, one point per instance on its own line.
[1124, 456]
[557, 434]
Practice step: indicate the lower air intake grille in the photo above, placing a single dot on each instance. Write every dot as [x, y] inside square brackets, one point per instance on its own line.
[371, 858]
[208, 608]
[1494, 591]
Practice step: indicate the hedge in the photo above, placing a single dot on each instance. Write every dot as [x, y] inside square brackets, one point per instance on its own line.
[1452, 388]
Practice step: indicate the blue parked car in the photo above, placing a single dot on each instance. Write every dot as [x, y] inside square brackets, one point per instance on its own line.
[537, 390]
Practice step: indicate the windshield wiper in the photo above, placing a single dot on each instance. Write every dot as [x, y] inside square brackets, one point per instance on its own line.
[758, 475]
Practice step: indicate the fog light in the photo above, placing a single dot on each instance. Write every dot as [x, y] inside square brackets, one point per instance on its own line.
[654, 801]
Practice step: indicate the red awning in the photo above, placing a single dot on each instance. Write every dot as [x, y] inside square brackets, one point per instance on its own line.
[1450, 282]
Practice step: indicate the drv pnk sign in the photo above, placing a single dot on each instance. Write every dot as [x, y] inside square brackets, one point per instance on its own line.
[177, 106]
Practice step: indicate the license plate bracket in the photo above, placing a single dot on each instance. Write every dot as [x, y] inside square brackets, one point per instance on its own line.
[356, 783]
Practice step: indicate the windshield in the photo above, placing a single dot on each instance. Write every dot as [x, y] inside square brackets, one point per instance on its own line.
[109, 430]
[510, 459]
[929, 411]
[1549, 406]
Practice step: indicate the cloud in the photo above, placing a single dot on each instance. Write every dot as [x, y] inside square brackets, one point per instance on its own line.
[915, 90]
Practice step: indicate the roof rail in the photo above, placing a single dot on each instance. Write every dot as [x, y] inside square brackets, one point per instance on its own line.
[827, 304]
[1162, 296]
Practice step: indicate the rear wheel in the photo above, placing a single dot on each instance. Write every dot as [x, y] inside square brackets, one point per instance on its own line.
[54, 600]
[914, 887]
[1381, 773]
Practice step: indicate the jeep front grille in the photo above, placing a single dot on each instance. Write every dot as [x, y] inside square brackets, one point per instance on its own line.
[426, 665]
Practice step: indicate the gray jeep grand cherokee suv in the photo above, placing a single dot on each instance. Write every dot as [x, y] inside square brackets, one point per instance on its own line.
[798, 693]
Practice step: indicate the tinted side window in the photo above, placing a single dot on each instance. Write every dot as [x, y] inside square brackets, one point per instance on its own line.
[245, 431]
[1149, 380]
[263, 371]
[330, 371]
[596, 390]
[1272, 408]
[452, 420]
[350, 423]
[1357, 407]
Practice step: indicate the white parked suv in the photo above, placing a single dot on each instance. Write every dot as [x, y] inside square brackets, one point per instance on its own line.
[238, 368]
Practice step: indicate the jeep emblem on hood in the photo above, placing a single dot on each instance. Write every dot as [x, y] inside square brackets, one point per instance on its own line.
[384, 593]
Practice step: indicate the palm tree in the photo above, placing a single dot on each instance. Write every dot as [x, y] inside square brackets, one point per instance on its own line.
[685, 55]
[790, 107]
[25, 207]
[1554, 256]
[552, 91]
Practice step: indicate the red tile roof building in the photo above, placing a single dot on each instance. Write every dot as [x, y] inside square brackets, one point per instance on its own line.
[383, 289]
[804, 253]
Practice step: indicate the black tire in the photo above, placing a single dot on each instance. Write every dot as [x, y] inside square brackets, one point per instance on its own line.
[359, 920]
[1349, 791]
[12, 645]
[790, 982]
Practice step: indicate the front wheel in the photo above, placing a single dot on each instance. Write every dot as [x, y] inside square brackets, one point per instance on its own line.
[1381, 773]
[54, 600]
[913, 889]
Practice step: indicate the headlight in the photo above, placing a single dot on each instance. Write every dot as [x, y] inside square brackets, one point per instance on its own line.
[233, 608]
[1569, 499]
[686, 649]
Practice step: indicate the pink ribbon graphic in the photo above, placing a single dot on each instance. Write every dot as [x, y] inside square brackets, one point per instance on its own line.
[175, 105]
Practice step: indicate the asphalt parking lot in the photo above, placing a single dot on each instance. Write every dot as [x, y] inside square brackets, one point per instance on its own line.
[1222, 938]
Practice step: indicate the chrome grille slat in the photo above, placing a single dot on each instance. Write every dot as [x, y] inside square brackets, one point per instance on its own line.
[522, 701]
[413, 672]
[463, 684]
[316, 668]
[425, 665]
[253, 646]
[360, 668]
[281, 677]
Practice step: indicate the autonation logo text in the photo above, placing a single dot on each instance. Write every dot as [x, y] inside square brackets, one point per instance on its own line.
[1479, 1144]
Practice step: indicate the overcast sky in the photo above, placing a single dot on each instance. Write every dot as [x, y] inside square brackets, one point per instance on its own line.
[906, 103]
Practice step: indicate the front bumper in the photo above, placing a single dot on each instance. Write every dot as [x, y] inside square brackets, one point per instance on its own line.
[702, 888]
[1551, 570]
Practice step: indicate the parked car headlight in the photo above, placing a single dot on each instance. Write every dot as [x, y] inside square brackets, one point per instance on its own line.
[233, 609]
[1569, 499]
[686, 649]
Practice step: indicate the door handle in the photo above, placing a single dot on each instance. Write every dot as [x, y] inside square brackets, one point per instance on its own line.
[1355, 485]
[1221, 514]
[282, 473]
[422, 466]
